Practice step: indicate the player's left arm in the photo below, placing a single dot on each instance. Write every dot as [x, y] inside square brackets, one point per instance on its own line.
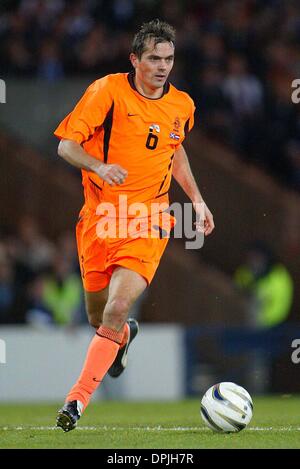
[183, 174]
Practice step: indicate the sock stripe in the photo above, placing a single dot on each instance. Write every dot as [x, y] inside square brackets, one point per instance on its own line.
[110, 334]
[108, 338]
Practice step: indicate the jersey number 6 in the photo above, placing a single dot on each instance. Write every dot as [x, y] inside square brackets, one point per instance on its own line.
[152, 141]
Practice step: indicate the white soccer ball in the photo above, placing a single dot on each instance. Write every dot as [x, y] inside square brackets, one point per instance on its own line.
[226, 407]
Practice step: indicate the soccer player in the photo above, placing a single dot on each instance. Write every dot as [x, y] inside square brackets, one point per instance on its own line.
[125, 134]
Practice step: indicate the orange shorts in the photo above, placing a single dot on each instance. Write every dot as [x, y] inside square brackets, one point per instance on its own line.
[99, 256]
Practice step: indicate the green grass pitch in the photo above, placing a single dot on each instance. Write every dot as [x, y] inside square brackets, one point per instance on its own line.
[108, 424]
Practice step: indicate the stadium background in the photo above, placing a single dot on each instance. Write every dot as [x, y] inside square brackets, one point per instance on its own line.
[237, 59]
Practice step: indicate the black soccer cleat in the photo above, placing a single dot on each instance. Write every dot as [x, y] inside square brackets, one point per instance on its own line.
[120, 362]
[68, 415]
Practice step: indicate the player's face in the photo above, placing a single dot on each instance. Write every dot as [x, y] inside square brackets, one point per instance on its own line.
[155, 65]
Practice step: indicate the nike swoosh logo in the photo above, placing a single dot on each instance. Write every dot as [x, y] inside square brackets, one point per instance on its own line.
[131, 115]
[97, 381]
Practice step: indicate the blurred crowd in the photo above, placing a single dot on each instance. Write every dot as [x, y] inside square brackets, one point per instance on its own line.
[237, 58]
[39, 280]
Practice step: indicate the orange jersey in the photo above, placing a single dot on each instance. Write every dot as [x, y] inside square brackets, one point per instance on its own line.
[117, 125]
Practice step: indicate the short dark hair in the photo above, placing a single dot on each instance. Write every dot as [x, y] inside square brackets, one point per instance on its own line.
[156, 29]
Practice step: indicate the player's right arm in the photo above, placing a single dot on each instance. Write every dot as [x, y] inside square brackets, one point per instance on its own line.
[80, 125]
[74, 154]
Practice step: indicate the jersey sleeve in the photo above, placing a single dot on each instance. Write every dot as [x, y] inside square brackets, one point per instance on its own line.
[89, 113]
[190, 121]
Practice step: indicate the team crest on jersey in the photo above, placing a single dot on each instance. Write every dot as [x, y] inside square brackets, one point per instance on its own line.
[176, 125]
[154, 127]
[174, 136]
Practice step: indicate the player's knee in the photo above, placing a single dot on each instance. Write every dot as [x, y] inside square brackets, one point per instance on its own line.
[120, 306]
[117, 311]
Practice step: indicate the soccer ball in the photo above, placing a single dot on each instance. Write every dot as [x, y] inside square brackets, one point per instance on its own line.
[226, 407]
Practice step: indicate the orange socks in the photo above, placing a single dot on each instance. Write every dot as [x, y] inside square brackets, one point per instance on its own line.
[100, 356]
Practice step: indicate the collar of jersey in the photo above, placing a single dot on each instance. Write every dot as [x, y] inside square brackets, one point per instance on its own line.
[130, 78]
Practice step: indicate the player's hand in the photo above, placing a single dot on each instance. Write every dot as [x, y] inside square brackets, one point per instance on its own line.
[204, 218]
[113, 174]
